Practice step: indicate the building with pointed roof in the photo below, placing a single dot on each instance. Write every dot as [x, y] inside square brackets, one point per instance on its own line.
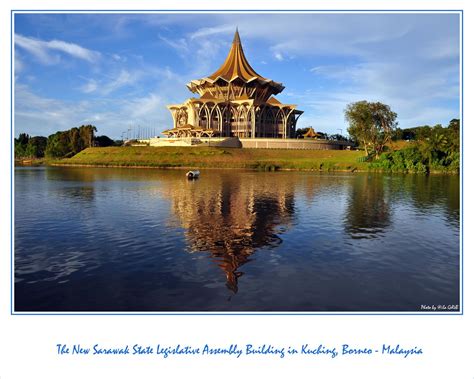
[311, 133]
[234, 101]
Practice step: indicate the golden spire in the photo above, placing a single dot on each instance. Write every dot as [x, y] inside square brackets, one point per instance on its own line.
[236, 65]
[236, 36]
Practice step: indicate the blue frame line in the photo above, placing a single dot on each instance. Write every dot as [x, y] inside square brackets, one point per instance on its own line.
[238, 10]
[157, 313]
[11, 163]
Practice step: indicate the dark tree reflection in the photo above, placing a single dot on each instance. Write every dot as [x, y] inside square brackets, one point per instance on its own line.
[368, 209]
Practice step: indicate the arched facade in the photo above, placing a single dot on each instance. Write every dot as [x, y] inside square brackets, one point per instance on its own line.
[234, 101]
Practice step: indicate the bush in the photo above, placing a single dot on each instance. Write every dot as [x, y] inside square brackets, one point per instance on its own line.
[416, 159]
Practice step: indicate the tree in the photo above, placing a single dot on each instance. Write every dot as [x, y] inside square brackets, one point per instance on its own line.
[436, 148]
[58, 145]
[453, 134]
[104, 141]
[21, 144]
[422, 132]
[70, 142]
[442, 146]
[337, 137]
[87, 134]
[370, 124]
[360, 120]
[300, 132]
[30, 147]
[397, 134]
[384, 123]
[36, 147]
[23, 138]
[408, 135]
[454, 124]
[77, 144]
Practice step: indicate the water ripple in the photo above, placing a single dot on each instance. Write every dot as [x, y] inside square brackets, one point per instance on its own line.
[114, 239]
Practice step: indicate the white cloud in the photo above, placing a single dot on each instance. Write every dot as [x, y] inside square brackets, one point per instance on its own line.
[324, 109]
[39, 115]
[180, 44]
[199, 49]
[73, 50]
[42, 49]
[42, 116]
[440, 49]
[124, 78]
[19, 65]
[212, 31]
[112, 83]
[35, 47]
[118, 58]
[90, 86]
[393, 80]
[146, 106]
[360, 35]
[278, 56]
[204, 48]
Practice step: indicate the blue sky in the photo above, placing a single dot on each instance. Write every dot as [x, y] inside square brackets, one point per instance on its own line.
[120, 70]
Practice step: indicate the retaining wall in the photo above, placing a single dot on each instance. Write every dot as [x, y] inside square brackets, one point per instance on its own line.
[253, 143]
[194, 142]
[300, 144]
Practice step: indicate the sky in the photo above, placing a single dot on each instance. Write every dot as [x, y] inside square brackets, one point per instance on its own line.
[119, 71]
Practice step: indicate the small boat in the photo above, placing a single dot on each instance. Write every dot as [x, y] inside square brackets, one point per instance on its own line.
[194, 174]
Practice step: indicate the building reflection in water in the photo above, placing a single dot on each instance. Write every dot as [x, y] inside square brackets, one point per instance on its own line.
[232, 216]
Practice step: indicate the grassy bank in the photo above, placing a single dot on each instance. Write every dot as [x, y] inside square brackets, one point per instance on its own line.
[211, 157]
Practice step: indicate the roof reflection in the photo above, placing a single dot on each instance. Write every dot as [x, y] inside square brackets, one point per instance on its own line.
[230, 217]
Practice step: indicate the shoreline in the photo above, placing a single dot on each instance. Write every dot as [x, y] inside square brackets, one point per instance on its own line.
[193, 167]
[77, 165]
[212, 158]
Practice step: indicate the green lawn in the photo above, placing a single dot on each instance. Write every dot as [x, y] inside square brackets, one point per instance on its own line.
[213, 157]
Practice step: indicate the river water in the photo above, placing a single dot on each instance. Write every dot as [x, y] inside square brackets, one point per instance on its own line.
[97, 239]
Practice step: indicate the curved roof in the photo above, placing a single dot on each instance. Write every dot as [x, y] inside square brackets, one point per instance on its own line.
[236, 65]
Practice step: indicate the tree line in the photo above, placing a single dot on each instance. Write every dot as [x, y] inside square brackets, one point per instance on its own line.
[62, 144]
[432, 148]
